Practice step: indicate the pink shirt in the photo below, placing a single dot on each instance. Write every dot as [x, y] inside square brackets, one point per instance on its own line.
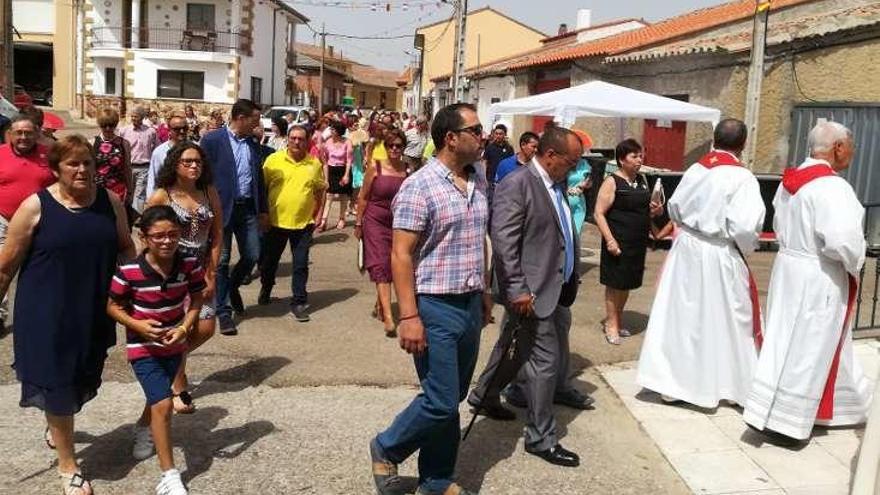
[143, 141]
[337, 154]
[21, 176]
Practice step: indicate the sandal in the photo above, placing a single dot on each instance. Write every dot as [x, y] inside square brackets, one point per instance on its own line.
[75, 484]
[340, 224]
[186, 399]
[47, 436]
[623, 332]
[612, 340]
[391, 333]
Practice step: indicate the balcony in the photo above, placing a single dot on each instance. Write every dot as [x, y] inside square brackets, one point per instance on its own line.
[177, 39]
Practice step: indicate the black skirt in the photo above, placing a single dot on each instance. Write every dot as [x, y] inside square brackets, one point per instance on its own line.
[336, 174]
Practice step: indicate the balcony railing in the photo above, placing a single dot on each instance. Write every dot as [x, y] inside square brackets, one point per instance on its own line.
[169, 39]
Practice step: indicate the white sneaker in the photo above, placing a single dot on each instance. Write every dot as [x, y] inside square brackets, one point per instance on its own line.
[144, 447]
[171, 484]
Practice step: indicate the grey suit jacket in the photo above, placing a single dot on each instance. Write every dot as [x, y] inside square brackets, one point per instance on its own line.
[527, 243]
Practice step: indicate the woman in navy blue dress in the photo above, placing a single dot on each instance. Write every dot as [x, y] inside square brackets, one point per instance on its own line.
[64, 241]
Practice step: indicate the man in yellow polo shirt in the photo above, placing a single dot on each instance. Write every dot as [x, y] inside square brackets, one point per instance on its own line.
[295, 186]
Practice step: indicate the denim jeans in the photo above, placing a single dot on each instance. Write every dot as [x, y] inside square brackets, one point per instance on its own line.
[139, 174]
[430, 423]
[274, 242]
[245, 227]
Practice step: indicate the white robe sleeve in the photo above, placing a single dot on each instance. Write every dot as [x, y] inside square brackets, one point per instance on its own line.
[838, 220]
[745, 215]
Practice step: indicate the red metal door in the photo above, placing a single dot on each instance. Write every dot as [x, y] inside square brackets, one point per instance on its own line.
[664, 144]
[546, 86]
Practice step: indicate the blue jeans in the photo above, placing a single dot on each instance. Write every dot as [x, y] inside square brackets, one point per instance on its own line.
[430, 423]
[244, 225]
[273, 244]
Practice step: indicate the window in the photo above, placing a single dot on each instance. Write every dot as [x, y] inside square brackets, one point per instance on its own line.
[110, 81]
[363, 98]
[181, 84]
[495, 100]
[381, 99]
[257, 90]
[200, 17]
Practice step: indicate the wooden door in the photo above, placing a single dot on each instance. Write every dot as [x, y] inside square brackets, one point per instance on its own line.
[664, 144]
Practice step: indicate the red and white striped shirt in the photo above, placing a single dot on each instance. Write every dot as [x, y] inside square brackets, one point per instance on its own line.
[147, 295]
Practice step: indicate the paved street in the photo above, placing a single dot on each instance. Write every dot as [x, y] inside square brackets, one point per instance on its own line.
[287, 407]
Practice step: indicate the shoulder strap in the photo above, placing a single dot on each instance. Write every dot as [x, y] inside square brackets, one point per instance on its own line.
[378, 167]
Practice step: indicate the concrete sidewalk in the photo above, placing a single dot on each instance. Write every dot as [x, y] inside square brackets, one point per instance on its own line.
[258, 439]
[715, 453]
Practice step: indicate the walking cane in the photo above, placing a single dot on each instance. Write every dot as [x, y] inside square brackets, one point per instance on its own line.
[510, 354]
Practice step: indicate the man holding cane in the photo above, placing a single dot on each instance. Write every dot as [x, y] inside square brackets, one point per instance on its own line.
[535, 253]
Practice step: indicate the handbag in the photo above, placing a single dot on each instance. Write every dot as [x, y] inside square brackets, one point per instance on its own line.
[360, 256]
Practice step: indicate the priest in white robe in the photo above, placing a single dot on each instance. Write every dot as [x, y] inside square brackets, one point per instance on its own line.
[807, 373]
[704, 331]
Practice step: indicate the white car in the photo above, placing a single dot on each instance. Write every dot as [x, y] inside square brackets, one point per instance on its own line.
[301, 113]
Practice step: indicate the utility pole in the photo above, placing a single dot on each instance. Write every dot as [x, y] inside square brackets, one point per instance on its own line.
[321, 77]
[460, 46]
[7, 52]
[756, 76]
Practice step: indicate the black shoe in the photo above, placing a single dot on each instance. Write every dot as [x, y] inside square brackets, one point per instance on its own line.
[515, 400]
[779, 439]
[384, 471]
[558, 455]
[227, 325]
[300, 312]
[574, 399]
[492, 409]
[265, 296]
[235, 300]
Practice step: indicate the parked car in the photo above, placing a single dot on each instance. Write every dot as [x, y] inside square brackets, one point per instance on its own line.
[21, 98]
[301, 113]
[41, 96]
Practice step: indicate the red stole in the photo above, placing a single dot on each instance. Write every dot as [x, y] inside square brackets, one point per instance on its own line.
[716, 158]
[792, 180]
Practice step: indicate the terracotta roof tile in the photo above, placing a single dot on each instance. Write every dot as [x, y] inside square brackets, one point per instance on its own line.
[372, 76]
[662, 31]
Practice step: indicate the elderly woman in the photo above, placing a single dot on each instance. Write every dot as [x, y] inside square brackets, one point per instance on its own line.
[112, 157]
[382, 180]
[184, 183]
[65, 240]
[623, 214]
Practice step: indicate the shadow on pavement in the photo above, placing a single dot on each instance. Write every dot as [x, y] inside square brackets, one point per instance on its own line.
[280, 306]
[238, 378]
[108, 457]
[330, 238]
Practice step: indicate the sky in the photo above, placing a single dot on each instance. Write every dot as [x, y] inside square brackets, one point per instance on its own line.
[392, 53]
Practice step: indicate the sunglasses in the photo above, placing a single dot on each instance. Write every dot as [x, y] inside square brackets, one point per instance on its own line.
[395, 146]
[475, 130]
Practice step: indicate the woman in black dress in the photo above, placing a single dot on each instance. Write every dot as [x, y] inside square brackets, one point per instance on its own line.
[623, 214]
[66, 240]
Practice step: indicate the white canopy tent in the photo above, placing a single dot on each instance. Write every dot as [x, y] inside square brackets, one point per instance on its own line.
[602, 99]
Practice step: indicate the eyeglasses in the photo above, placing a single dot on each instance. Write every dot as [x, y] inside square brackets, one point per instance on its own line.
[173, 235]
[475, 130]
[190, 162]
[178, 129]
[395, 146]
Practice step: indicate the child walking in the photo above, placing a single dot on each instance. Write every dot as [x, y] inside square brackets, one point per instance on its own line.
[148, 296]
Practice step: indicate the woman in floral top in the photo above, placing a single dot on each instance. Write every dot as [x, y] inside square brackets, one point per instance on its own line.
[112, 157]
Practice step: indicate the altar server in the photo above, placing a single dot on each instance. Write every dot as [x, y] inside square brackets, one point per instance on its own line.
[807, 373]
[704, 332]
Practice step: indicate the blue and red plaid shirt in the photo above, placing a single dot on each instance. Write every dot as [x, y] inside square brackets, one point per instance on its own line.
[449, 257]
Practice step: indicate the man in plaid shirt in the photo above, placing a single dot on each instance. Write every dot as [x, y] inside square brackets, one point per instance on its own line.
[439, 269]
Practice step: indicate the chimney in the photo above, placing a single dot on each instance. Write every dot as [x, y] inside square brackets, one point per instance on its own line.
[584, 18]
[563, 28]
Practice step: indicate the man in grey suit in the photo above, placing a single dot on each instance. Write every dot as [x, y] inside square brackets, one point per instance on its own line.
[535, 256]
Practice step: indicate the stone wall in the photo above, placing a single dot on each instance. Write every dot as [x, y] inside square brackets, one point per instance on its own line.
[163, 106]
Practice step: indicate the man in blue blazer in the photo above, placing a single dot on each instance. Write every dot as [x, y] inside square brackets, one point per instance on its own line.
[235, 159]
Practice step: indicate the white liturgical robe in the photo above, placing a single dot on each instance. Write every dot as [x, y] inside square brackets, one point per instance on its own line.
[807, 373]
[702, 340]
